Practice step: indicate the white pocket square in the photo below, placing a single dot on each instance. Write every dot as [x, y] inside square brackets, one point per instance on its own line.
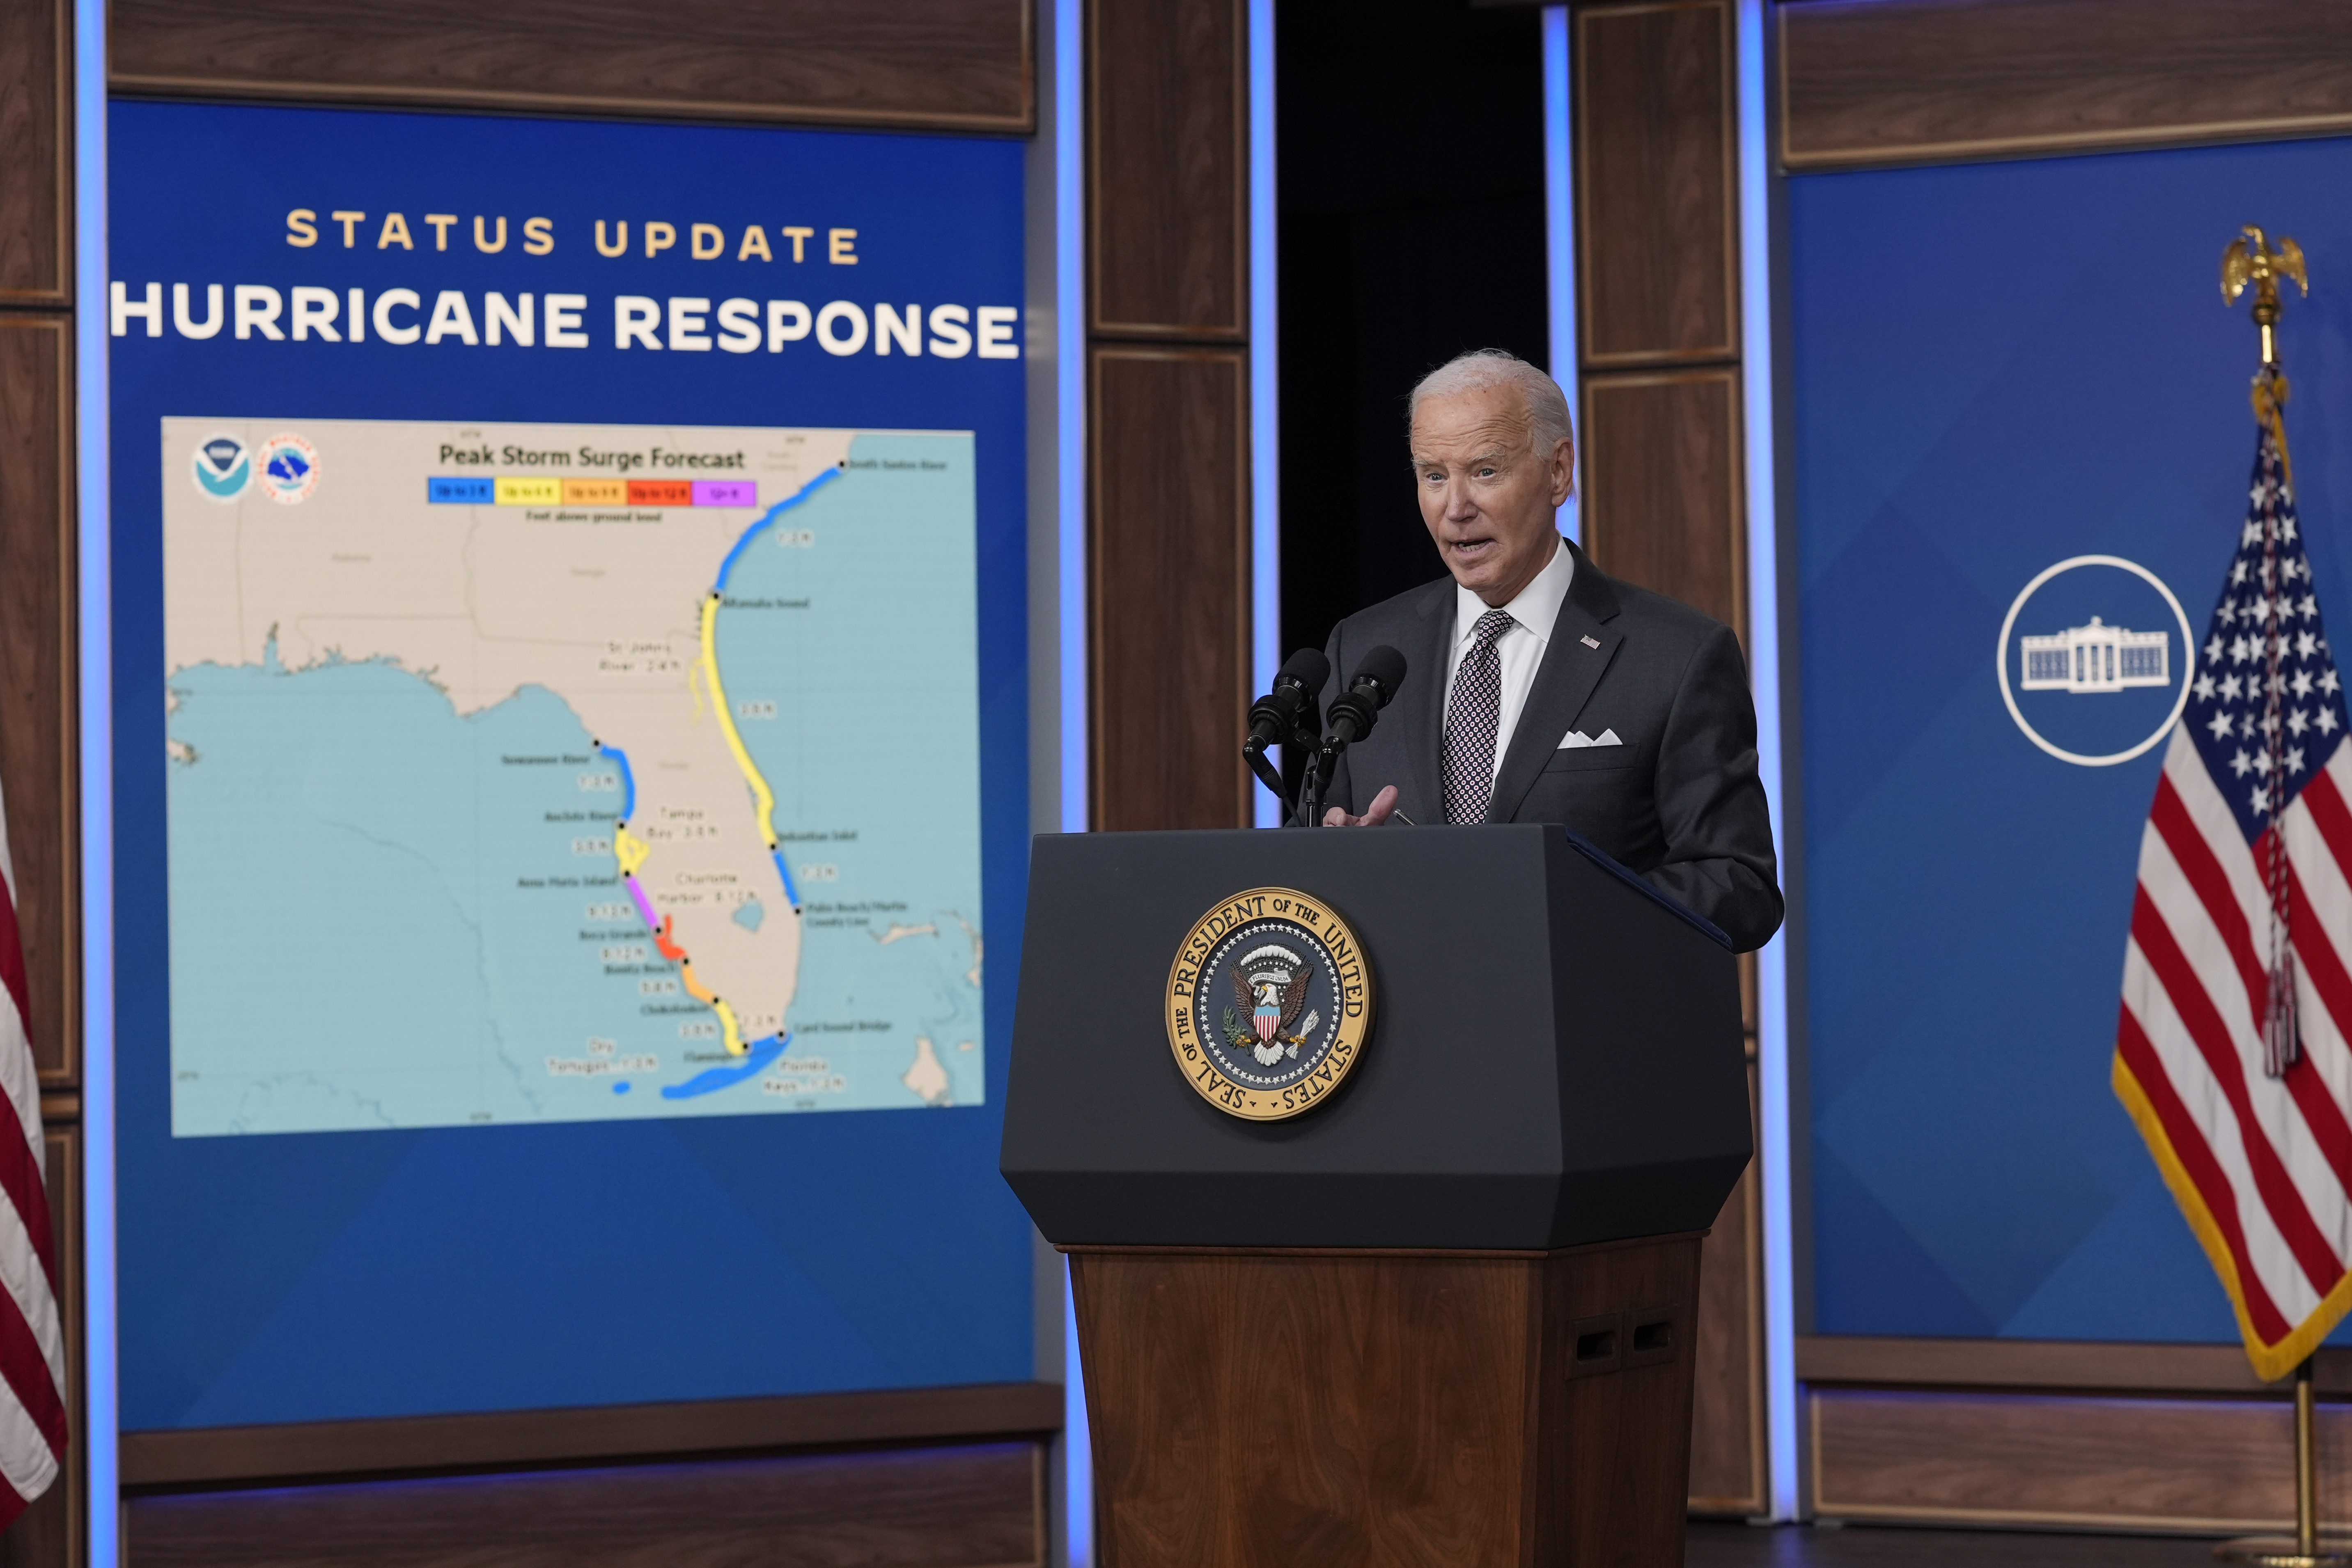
[1575, 738]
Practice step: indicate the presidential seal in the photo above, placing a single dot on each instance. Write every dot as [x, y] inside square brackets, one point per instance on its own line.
[1268, 1003]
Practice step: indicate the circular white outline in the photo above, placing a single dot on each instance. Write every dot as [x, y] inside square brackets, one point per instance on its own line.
[2188, 659]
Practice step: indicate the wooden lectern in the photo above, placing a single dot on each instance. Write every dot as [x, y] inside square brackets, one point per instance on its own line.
[1443, 1317]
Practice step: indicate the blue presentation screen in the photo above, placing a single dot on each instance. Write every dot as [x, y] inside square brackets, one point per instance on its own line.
[570, 792]
[2022, 440]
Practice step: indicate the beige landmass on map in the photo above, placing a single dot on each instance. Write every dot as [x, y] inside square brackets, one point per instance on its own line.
[601, 606]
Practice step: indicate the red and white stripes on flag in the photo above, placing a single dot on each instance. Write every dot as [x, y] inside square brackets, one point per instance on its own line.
[32, 1341]
[2233, 1053]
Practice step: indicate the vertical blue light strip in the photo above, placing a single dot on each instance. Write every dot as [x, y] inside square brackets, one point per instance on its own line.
[1764, 657]
[1560, 232]
[1266, 424]
[1077, 1438]
[1070, 404]
[96, 720]
[1070, 371]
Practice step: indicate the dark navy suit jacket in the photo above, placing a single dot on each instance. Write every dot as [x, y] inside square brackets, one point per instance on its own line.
[1678, 800]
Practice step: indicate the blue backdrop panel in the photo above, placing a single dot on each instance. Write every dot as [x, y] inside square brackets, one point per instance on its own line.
[312, 1277]
[1997, 369]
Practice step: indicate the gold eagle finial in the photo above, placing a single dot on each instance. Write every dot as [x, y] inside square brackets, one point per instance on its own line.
[2251, 258]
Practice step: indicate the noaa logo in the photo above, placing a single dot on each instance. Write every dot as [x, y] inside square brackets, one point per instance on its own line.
[1268, 1003]
[2094, 627]
[221, 466]
[290, 469]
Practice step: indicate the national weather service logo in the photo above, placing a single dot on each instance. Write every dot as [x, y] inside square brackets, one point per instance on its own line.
[221, 466]
[290, 469]
[1268, 1003]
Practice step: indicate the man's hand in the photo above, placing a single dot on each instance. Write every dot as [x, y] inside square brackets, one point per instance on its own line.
[1384, 805]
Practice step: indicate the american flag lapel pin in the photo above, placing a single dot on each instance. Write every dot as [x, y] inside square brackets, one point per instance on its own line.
[1591, 642]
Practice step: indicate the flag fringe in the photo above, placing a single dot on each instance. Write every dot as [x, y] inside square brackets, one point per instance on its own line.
[2270, 1361]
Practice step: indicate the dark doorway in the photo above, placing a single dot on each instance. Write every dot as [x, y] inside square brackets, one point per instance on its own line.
[1409, 147]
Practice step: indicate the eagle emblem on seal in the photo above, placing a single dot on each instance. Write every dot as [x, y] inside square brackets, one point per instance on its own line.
[1270, 987]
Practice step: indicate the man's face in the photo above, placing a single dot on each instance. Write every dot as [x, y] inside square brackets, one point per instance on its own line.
[1487, 496]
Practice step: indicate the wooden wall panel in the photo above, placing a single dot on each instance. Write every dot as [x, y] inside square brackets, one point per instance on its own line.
[1168, 444]
[1658, 274]
[947, 65]
[38, 660]
[1727, 1453]
[1167, 181]
[2220, 1465]
[52, 1531]
[1659, 390]
[1170, 549]
[36, 172]
[2052, 1366]
[39, 742]
[1894, 81]
[981, 1507]
[1662, 487]
[518, 1439]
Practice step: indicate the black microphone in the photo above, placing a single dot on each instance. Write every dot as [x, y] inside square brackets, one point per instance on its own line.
[1278, 715]
[1355, 711]
[1288, 712]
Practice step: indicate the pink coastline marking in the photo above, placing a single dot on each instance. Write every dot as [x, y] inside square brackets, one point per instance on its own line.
[644, 908]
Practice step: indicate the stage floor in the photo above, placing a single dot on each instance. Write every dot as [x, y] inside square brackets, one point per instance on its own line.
[1865, 1546]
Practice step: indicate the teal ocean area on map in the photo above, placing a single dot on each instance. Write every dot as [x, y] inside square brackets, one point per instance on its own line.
[389, 914]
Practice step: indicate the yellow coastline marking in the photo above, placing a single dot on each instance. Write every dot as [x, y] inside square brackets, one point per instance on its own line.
[630, 850]
[709, 999]
[727, 719]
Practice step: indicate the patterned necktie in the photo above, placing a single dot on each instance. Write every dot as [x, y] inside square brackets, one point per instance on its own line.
[1466, 769]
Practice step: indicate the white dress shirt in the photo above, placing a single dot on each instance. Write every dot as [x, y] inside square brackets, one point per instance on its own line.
[1521, 649]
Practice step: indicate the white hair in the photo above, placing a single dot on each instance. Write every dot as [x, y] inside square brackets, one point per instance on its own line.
[1482, 369]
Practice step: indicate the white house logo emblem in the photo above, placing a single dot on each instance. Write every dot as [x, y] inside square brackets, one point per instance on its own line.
[2094, 655]
[2096, 658]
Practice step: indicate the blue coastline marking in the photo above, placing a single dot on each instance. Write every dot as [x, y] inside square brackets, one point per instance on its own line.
[792, 894]
[726, 567]
[711, 1079]
[628, 780]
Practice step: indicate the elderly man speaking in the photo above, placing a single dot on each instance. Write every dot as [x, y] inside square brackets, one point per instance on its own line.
[1538, 689]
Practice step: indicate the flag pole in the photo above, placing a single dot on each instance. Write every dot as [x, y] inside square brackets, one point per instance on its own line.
[2305, 1550]
[2251, 259]
[2306, 1465]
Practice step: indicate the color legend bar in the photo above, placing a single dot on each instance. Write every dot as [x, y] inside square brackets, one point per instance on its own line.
[536, 490]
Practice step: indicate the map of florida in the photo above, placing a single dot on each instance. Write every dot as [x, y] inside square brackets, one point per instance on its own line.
[613, 608]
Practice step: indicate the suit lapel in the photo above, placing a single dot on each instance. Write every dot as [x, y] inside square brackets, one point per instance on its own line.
[1563, 683]
[1419, 713]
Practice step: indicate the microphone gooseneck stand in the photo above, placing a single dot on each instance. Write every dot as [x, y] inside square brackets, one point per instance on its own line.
[1292, 705]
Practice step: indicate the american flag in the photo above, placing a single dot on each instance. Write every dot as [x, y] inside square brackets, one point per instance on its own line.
[32, 1342]
[2233, 1053]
